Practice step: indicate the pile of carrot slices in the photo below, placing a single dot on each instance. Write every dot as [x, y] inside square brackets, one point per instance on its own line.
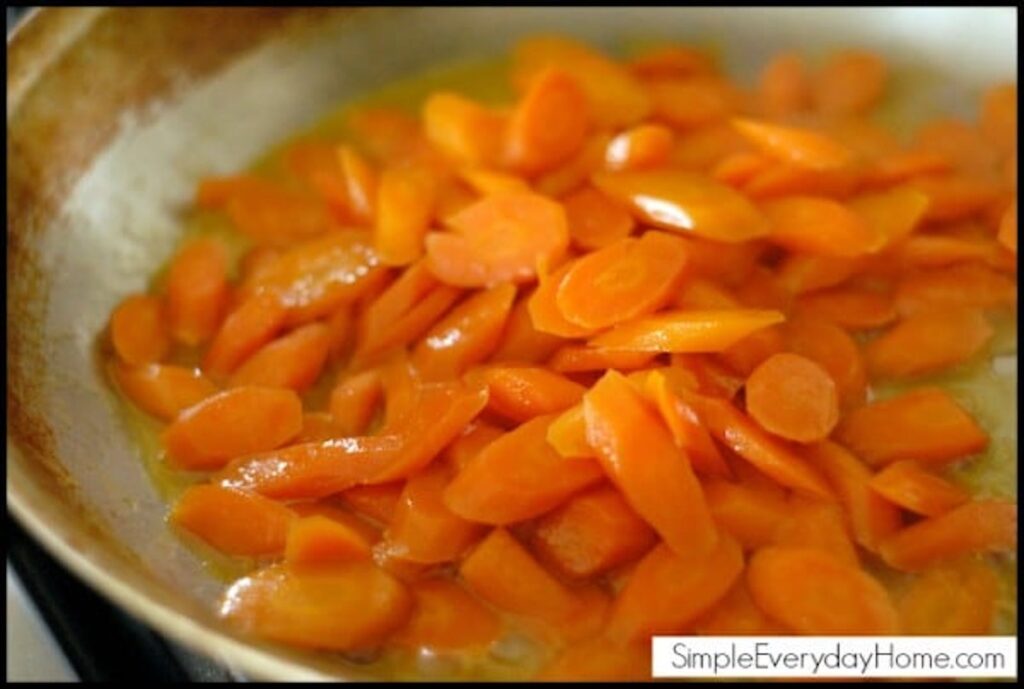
[594, 364]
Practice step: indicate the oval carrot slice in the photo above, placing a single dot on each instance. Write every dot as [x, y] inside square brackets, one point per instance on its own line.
[848, 307]
[573, 174]
[521, 342]
[783, 85]
[543, 307]
[924, 424]
[813, 592]
[850, 82]
[968, 284]
[746, 512]
[376, 501]
[274, 215]
[473, 440]
[317, 541]
[901, 166]
[639, 456]
[667, 591]
[163, 390]
[817, 525]
[910, 486]
[138, 330]
[836, 352]
[793, 397]
[737, 615]
[548, 125]
[462, 128]
[957, 600]
[323, 609]
[894, 213]
[518, 476]
[928, 342]
[685, 202]
[233, 522]
[197, 291]
[567, 434]
[686, 331]
[595, 220]
[316, 165]
[404, 206]
[291, 361]
[520, 393]
[354, 401]
[793, 145]
[576, 359]
[629, 278]
[976, 527]
[642, 147]
[682, 420]
[447, 618]
[232, 423]
[692, 102]
[500, 238]
[361, 181]
[817, 225]
[246, 329]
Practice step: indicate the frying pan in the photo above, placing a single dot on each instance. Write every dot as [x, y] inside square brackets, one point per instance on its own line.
[112, 116]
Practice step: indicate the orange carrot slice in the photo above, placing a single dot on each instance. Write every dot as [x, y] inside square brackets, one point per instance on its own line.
[518, 476]
[233, 522]
[692, 102]
[784, 86]
[640, 148]
[548, 125]
[739, 168]
[817, 525]
[520, 393]
[317, 540]
[956, 196]
[292, 361]
[754, 349]
[820, 226]
[317, 426]
[957, 600]
[850, 308]
[543, 308]
[447, 618]
[803, 273]
[572, 174]
[712, 378]
[521, 342]
[925, 424]
[567, 434]
[737, 615]
[976, 527]
[466, 336]
[473, 440]
[163, 391]
[499, 238]
[745, 512]
[354, 401]
[360, 180]
[138, 330]
[685, 202]
[871, 518]
[682, 420]
[850, 82]
[197, 291]
[892, 214]
[927, 342]
[246, 329]
[812, 592]
[668, 592]
[404, 206]
[316, 165]
[793, 397]
[904, 165]
[462, 128]
[595, 220]
[1008, 228]
[639, 456]
[274, 215]
[378, 501]
[591, 534]
[673, 59]
[836, 352]
[321, 609]
[935, 251]
[686, 331]
[629, 278]
[232, 423]
[793, 145]
[576, 359]
[912, 487]
[968, 284]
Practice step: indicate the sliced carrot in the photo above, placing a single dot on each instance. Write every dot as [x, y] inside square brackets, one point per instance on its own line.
[162, 390]
[737, 615]
[935, 251]
[685, 202]
[668, 592]
[462, 128]
[781, 180]
[423, 529]
[520, 393]
[572, 174]
[963, 144]
[197, 291]
[484, 182]
[591, 534]
[784, 86]
[739, 168]
[311, 471]
[543, 308]
[321, 609]
[750, 352]
[820, 226]
[870, 517]
[712, 377]
[850, 308]
[404, 206]
[998, 117]
[968, 284]
[706, 146]
[928, 342]
[317, 541]
[316, 164]
[378, 501]
[245, 330]
[138, 330]
[745, 512]
[682, 420]
[473, 440]
[499, 238]
[644, 146]
[447, 618]
[724, 263]
[567, 434]
[629, 278]
[912, 487]
[317, 426]
[673, 59]
[850, 82]
[957, 600]
[232, 423]
[616, 98]
[686, 331]
[892, 214]
[956, 196]
[466, 336]
[341, 332]
[361, 181]
[408, 327]
[1008, 228]
[976, 527]
[803, 273]
[904, 165]
[256, 260]
[836, 352]
[386, 134]
[521, 342]
[639, 456]
[925, 424]
[793, 397]
[402, 387]
[233, 522]
[796, 146]
[595, 220]
[518, 476]
[314, 278]
[817, 525]
[576, 359]
[813, 592]
[762, 290]
[692, 102]
[548, 125]
[291, 361]
[354, 401]
[274, 215]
